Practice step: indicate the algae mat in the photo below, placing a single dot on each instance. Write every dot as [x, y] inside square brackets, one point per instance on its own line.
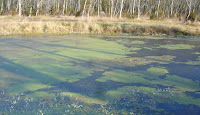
[74, 74]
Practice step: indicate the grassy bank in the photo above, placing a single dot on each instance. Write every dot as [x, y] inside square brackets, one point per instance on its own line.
[71, 25]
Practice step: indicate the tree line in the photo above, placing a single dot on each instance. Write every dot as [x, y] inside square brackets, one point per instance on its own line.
[156, 9]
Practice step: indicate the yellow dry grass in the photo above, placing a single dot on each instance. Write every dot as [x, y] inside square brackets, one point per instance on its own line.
[68, 24]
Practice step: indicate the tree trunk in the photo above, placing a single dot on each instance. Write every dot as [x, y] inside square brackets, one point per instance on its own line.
[64, 7]
[189, 3]
[31, 8]
[20, 7]
[133, 9]
[121, 8]
[8, 4]
[111, 11]
[84, 8]
[2, 6]
[38, 7]
[138, 9]
[88, 14]
[98, 2]
[172, 6]
[158, 8]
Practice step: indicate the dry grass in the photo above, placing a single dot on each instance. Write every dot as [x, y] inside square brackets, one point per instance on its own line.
[66, 25]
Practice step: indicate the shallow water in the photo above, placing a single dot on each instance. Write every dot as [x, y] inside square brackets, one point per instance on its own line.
[99, 75]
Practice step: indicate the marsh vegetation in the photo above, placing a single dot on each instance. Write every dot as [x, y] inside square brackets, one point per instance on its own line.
[74, 74]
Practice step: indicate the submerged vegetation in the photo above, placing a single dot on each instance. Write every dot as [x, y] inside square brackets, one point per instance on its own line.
[46, 75]
[177, 46]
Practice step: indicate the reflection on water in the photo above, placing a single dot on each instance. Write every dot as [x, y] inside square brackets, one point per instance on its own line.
[88, 75]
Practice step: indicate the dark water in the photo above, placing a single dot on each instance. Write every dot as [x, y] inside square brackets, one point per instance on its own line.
[99, 75]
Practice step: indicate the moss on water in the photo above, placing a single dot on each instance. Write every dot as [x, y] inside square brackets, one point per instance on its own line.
[193, 63]
[136, 61]
[24, 87]
[177, 46]
[82, 98]
[161, 59]
[154, 95]
[179, 83]
[34, 66]
[130, 42]
[122, 76]
[197, 53]
[187, 100]
[8, 78]
[158, 71]
[39, 95]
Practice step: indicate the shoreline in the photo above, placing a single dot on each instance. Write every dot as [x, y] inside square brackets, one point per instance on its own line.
[94, 26]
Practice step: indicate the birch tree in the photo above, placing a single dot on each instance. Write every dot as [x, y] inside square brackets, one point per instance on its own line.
[20, 7]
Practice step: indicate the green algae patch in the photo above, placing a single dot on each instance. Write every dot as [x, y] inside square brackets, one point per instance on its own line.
[126, 62]
[179, 83]
[128, 91]
[24, 87]
[136, 61]
[197, 53]
[158, 71]
[137, 42]
[39, 95]
[193, 63]
[177, 46]
[115, 93]
[56, 72]
[8, 78]
[131, 42]
[157, 95]
[82, 98]
[122, 76]
[186, 100]
[161, 59]
[33, 66]
[93, 45]
[131, 89]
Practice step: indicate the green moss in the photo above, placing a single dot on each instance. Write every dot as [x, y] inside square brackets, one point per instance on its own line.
[82, 98]
[182, 84]
[184, 99]
[193, 63]
[39, 95]
[161, 59]
[36, 64]
[128, 91]
[177, 46]
[122, 76]
[8, 78]
[154, 94]
[157, 71]
[24, 87]
[197, 53]
[130, 42]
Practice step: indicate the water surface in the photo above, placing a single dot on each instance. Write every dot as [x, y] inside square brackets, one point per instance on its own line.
[99, 75]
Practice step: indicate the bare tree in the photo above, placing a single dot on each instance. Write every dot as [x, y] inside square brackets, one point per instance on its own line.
[121, 8]
[20, 7]
[112, 7]
[84, 8]
[189, 3]
[138, 9]
[109, 8]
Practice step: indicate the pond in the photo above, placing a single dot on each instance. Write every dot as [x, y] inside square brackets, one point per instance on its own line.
[97, 75]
